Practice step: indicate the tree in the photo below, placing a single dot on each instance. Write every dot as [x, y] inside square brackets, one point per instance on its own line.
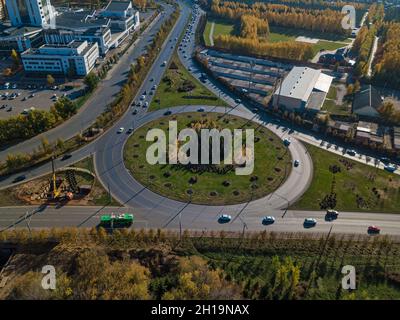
[65, 108]
[15, 58]
[197, 281]
[7, 72]
[91, 80]
[357, 86]
[98, 278]
[50, 80]
[387, 110]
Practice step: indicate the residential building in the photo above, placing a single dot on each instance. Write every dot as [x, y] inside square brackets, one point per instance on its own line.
[303, 89]
[76, 58]
[369, 132]
[367, 102]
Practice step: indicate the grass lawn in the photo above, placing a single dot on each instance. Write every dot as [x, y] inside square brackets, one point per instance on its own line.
[326, 45]
[331, 106]
[178, 88]
[272, 165]
[221, 27]
[358, 187]
[291, 34]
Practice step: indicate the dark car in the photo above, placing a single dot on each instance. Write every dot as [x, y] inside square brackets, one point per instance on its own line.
[373, 230]
[167, 113]
[331, 215]
[19, 178]
[66, 156]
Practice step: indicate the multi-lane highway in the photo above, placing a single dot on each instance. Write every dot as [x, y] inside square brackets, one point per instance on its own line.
[153, 210]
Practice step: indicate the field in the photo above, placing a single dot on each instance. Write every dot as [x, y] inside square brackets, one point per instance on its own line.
[220, 27]
[178, 88]
[139, 264]
[358, 187]
[279, 34]
[212, 184]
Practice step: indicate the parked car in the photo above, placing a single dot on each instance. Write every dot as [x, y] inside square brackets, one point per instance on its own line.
[351, 152]
[390, 168]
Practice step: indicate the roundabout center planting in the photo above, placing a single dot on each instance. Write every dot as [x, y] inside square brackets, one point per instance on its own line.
[210, 158]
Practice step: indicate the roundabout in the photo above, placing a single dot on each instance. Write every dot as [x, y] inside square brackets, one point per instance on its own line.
[210, 184]
[159, 210]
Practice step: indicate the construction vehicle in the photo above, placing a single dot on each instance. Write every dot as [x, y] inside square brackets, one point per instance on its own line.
[56, 185]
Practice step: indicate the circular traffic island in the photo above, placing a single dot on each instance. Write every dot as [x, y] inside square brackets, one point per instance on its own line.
[207, 183]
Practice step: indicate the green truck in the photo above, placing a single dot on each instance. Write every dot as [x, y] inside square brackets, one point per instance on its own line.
[116, 220]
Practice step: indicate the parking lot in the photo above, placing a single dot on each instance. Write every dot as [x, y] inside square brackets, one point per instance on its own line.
[19, 99]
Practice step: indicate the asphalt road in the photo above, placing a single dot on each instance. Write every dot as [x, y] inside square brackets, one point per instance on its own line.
[104, 94]
[152, 210]
[348, 222]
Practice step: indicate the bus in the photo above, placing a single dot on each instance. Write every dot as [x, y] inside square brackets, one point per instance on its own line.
[116, 221]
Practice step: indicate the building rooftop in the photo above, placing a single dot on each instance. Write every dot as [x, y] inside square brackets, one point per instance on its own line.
[301, 81]
[80, 20]
[367, 97]
[118, 5]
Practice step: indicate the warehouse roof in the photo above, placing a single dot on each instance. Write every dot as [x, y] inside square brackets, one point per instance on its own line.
[301, 81]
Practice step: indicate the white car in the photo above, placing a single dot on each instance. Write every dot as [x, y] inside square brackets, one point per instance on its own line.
[120, 130]
[146, 104]
[142, 97]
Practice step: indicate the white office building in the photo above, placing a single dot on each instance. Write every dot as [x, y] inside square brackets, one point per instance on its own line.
[76, 58]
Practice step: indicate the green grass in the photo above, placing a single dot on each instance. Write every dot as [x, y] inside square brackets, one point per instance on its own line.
[294, 33]
[326, 45]
[331, 106]
[272, 165]
[354, 179]
[221, 27]
[167, 94]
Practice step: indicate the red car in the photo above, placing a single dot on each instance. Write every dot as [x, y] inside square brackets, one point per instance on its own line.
[373, 229]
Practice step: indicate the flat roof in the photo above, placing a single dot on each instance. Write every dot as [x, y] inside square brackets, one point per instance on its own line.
[299, 83]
